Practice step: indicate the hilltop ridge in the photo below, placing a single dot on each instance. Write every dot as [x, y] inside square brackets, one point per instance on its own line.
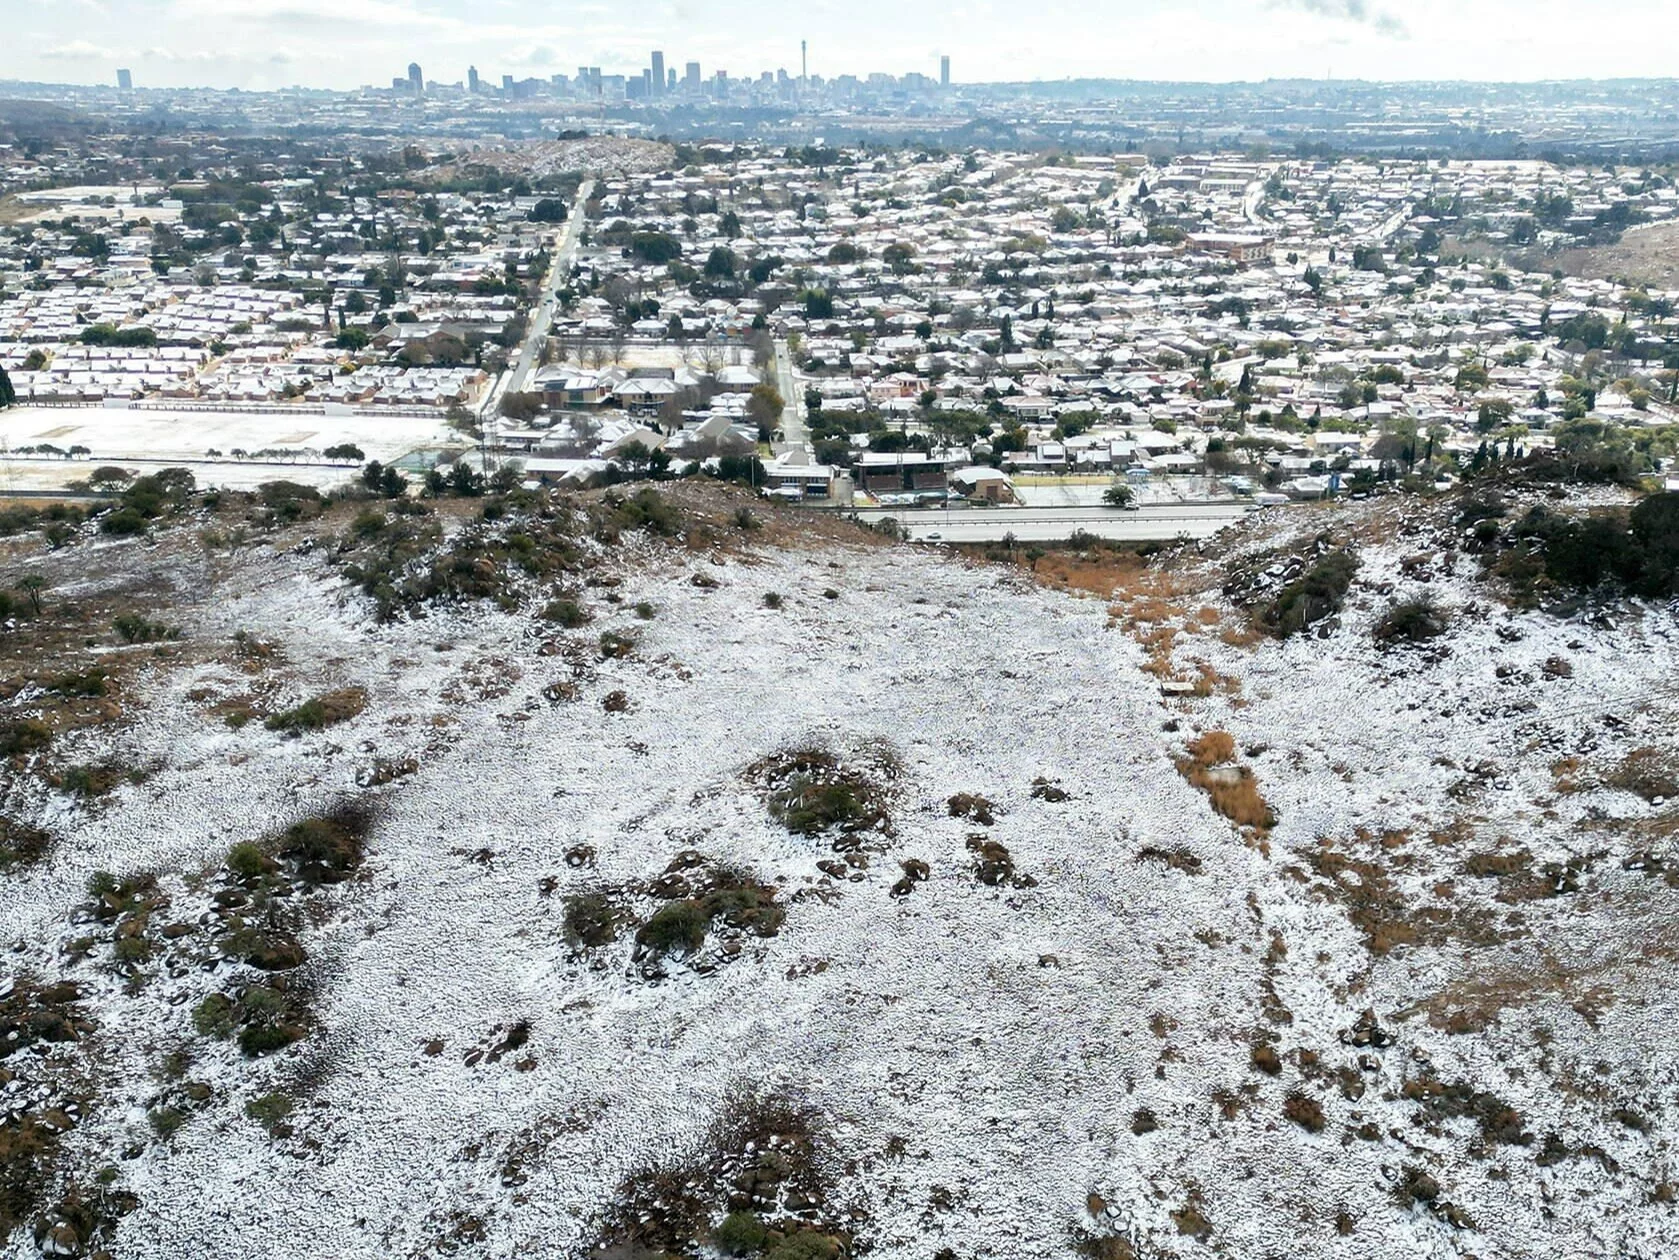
[655, 871]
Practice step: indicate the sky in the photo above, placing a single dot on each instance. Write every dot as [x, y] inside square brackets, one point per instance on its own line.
[257, 44]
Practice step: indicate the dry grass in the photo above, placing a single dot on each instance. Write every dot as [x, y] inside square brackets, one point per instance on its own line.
[1214, 748]
[1232, 790]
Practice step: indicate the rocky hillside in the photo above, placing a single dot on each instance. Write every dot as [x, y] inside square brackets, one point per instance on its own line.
[662, 874]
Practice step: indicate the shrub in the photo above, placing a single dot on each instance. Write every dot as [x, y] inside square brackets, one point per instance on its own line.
[326, 850]
[216, 1016]
[322, 711]
[678, 928]
[773, 600]
[166, 1120]
[1411, 621]
[741, 1234]
[21, 845]
[271, 1111]
[1316, 595]
[19, 736]
[133, 628]
[566, 612]
[590, 919]
[270, 1018]
[247, 862]
[644, 610]
[811, 792]
[615, 645]
[88, 683]
[90, 781]
[804, 1245]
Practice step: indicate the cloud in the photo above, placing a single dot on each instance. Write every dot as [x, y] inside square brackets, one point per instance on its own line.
[1353, 11]
[77, 50]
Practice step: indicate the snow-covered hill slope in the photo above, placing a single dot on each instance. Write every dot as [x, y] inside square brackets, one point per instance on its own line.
[1426, 1013]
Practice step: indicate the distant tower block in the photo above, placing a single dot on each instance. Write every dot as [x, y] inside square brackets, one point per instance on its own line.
[416, 80]
[944, 71]
[804, 61]
[658, 74]
[473, 83]
[125, 80]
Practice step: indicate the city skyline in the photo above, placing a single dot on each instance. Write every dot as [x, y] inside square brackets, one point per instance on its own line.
[282, 43]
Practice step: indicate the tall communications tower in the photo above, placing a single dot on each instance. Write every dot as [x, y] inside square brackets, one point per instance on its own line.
[804, 61]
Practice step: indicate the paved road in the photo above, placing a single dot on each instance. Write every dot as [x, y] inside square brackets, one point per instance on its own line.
[1389, 226]
[529, 355]
[972, 525]
[793, 411]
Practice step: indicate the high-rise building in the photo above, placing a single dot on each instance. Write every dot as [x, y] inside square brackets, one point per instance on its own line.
[691, 78]
[125, 80]
[473, 84]
[658, 75]
[944, 71]
[507, 84]
[416, 80]
[804, 61]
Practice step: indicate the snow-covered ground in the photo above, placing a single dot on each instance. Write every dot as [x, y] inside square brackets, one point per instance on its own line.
[1009, 1036]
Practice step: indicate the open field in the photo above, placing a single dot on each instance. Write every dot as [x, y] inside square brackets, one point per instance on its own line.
[182, 438]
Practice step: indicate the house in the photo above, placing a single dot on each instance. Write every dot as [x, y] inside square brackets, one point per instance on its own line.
[983, 485]
[794, 480]
[641, 394]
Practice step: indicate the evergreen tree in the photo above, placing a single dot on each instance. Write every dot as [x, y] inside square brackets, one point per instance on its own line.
[8, 394]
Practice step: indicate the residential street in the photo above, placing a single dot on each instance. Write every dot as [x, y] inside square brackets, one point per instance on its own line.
[529, 353]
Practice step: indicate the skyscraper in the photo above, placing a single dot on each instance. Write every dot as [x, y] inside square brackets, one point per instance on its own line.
[691, 78]
[658, 74]
[944, 71]
[416, 80]
[472, 81]
[125, 80]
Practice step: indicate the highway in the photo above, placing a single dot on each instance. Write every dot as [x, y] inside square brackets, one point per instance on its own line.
[981, 525]
[529, 355]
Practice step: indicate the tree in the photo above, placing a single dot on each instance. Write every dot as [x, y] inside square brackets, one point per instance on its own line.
[655, 247]
[548, 210]
[1495, 413]
[1118, 495]
[764, 407]
[8, 393]
[729, 225]
[109, 478]
[1471, 377]
[721, 264]
[32, 585]
[899, 257]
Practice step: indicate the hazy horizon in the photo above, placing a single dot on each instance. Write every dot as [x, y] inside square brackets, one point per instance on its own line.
[268, 44]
